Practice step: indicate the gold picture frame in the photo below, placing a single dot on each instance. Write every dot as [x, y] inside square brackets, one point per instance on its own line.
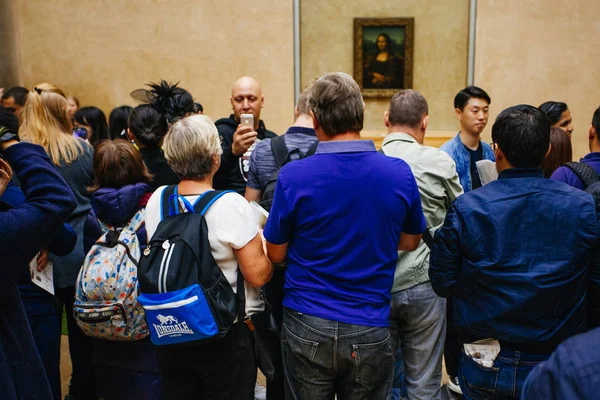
[383, 55]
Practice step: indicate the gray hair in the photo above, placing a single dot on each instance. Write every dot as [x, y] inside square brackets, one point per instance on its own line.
[407, 108]
[337, 104]
[190, 145]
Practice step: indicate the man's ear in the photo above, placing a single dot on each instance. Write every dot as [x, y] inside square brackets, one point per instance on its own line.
[231, 101]
[130, 135]
[424, 123]
[315, 122]
[262, 101]
[498, 153]
[592, 134]
[549, 150]
[386, 119]
[458, 113]
[296, 114]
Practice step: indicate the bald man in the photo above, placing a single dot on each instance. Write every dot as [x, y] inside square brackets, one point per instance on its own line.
[237, 140]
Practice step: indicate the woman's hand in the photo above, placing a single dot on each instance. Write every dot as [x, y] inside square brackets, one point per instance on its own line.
[5, 175]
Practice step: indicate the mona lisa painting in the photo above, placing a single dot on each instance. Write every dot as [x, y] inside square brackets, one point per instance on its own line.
[383, 49]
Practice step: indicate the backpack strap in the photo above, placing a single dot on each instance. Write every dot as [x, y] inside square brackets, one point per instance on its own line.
[279, 150]
[241, 293]
[208, 199]
[427, 238]
[202, 205]
[137, 221]
[585, 172]
[164, 201]
[312, 150]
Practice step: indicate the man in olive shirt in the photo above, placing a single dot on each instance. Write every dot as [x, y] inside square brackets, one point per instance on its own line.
[418, 315]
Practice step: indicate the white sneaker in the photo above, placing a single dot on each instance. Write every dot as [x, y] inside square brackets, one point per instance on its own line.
[454, 385]
[260, 392]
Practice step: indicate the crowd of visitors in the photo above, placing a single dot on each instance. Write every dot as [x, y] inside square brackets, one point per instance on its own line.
[219, 249]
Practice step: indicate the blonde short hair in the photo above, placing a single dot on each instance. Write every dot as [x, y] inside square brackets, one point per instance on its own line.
[190, 145]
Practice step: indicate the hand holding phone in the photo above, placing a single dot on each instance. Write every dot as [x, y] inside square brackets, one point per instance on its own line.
[244, 136]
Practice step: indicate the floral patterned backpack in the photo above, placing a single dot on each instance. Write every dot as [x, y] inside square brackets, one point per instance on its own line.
[107, 288]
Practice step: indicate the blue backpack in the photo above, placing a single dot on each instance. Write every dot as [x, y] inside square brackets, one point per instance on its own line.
[185, 295]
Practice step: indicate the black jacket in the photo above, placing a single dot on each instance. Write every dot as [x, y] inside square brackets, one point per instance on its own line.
[233, 173]
[155, 161]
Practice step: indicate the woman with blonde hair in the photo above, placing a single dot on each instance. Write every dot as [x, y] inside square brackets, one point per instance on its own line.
[45, 121]
[224, 368]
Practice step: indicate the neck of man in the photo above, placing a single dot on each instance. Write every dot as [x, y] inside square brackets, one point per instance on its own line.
[339, 137]
[304, 121]
[414, 132]
[469, 139]
[595, 145]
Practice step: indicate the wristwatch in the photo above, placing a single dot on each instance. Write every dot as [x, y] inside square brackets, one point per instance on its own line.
[7, 134]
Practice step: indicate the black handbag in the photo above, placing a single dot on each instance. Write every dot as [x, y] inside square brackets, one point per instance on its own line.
[267, 343]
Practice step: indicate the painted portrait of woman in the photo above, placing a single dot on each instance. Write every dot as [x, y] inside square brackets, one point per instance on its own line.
[383, 68]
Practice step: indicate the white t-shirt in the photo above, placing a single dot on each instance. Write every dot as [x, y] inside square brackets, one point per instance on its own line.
[231, 225]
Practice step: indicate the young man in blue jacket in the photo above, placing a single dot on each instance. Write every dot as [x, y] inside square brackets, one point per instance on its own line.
[24, 230]
[517, 255]
[471, 106]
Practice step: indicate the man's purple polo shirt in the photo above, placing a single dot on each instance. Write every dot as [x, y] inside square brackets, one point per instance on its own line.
[566, 175]
[341, 212]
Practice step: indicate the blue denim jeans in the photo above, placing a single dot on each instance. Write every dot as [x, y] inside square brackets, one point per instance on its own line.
[398, 386]
[418, 327]
[504, 380]
[323, 358]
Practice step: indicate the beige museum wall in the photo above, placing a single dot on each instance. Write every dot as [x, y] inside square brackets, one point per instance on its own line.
[533, 51]
[8, 46]
[440, 49]
[102, 50]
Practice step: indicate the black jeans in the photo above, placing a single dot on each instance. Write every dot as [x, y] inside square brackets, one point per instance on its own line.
[323, 358]
[224, 369]
[274, 292]
[83, 377]
[452, 346]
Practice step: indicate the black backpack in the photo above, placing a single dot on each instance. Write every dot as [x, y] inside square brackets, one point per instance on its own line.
[282, 157]
[185, 295]
[589, 177]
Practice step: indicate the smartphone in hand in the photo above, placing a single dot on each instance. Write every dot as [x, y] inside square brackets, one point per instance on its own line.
[248, 120]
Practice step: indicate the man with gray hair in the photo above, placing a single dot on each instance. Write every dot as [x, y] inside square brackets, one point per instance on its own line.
[418, 316]
[338, 218]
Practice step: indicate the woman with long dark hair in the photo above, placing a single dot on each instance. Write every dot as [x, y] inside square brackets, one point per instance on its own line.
[117, 122]
[561, 152]
[559, 115]
[93, 120]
